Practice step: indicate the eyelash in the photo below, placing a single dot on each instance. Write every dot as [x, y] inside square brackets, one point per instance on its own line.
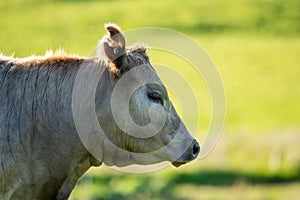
[156, 97]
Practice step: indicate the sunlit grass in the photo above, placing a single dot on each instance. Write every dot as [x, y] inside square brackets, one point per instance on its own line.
[240, 191]
[31, 26]
[260, 76]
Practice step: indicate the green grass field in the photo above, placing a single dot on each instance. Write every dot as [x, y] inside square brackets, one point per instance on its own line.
[256, 46]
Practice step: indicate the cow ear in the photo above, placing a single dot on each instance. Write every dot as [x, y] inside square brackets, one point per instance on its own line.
[112, 45]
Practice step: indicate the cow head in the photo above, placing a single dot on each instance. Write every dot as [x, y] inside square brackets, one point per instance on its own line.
[135, 113]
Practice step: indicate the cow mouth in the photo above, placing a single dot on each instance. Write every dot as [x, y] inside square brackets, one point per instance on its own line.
[178, 163]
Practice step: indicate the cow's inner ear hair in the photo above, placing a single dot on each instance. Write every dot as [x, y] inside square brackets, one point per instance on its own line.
[112, 46]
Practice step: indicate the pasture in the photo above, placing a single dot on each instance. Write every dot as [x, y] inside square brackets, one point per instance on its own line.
[256, 46]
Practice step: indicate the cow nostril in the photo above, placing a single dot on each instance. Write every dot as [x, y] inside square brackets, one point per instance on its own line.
[196, 149]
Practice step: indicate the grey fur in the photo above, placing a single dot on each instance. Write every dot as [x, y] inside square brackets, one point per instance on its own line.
[41, 154]
[38, 141]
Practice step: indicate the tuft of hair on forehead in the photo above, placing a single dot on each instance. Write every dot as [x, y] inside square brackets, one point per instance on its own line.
[138, 48]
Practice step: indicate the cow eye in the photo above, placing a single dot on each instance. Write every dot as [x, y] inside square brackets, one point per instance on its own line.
[156, 97]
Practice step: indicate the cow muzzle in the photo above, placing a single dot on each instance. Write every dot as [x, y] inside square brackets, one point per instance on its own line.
[190, 154]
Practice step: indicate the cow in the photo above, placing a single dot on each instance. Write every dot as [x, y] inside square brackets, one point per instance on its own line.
[42, 155]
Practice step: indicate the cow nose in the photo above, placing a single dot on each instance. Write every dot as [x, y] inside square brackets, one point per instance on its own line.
[196, 149]
[190, 154]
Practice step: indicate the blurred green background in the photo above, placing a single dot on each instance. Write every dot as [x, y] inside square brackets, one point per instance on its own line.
[256, 47]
